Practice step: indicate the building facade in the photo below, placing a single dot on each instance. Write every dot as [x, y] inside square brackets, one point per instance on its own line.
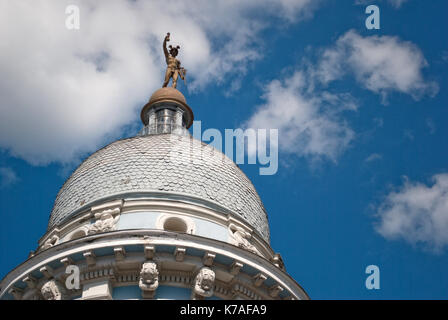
[156, 216]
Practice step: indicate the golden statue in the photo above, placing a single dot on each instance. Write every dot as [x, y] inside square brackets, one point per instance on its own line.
[173, 69]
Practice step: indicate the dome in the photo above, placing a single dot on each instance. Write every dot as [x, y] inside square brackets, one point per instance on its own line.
[161, 163]
[167, 93]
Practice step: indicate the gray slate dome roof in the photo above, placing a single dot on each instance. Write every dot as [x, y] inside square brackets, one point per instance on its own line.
[161, 163]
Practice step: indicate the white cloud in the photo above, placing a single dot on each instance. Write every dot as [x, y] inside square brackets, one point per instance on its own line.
[373, 157]
[431, 126]
[7, 177]
[380, 63]
[417, 213]
[310, 119]
[308, 122]
[395, 3]
[63, 91]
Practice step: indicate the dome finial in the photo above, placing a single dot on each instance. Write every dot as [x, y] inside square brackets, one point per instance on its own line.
[167, 110]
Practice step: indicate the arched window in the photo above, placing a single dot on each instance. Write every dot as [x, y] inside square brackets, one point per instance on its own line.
[78, 234]
[175, 224]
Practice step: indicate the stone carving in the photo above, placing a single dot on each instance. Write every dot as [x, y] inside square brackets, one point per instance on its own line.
[53, 240]
[79, 233]
[204, 283]
[239, 237]
[105, 221]
[149, 279]
[51, 291]
[275, 290]
[277, 260]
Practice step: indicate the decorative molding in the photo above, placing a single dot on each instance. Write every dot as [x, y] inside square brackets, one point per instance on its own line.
[150, 251]
[240, 289]
[130, 278]
[90, 258]
[179, 253]
[67, 261]
[78, 226]
[110, 205]
[240, 238]
[259, 279]
[178, 277]
[221, 290]
[228, 273]
[105, 272]
[208, 258]
[235, 268]
[47, 271]
[51, 241]
[275, 290]
[30, 281]
[105, 221]
[120, 254]
[277, 260]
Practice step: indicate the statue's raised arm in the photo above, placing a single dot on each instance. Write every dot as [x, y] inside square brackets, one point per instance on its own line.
[165, 50]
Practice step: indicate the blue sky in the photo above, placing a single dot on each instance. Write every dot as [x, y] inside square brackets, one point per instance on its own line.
[363, 171]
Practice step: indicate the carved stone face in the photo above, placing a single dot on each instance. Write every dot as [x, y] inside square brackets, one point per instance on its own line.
[149, 278]
[149, 274]
[50, 291]
[205, 280]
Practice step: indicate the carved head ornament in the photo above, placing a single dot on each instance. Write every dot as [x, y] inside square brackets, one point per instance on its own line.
[149, 276]
[205, 281]
[50, 291]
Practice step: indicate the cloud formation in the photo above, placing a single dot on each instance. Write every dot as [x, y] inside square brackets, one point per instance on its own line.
[373, 157]
[310, 117]
[309, 122]
[64, 90]
[417, 213]
[381, 64]
[394, 3]
[8, 177]
[397, 3]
